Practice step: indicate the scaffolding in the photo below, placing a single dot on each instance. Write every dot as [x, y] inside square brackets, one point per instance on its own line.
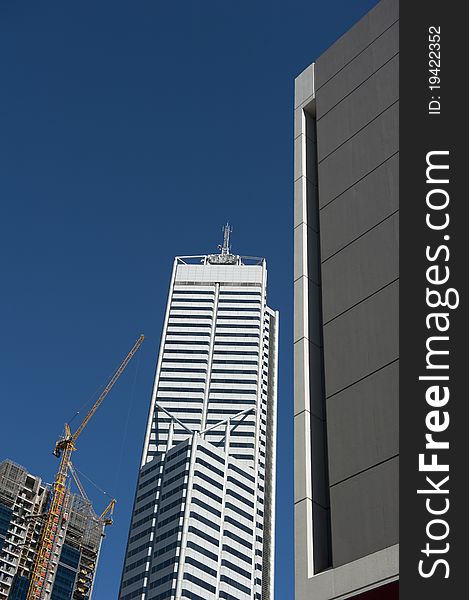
[25, 500]
[12, 479]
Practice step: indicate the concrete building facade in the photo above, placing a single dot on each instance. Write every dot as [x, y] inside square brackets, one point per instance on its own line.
[346, 356]
[203, 517]
[23, 502]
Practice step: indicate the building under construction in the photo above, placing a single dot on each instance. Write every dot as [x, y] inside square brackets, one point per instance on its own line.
[24, 502]
[50, 538]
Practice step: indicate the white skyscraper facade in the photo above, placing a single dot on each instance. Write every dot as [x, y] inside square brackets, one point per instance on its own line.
[203, 520]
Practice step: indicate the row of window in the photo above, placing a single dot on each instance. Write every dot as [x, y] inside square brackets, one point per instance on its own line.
[234, 432]
[144, 507]
[224, 391]
[235, 508]
[180, 401]
[184, 351]
[240, 444]
[208, 507]
[246, 381]
[166, 369]
[221, 343]
[200, 582]
[175, 466]
[203, 536]
[247, 401]
[206, 492]
[191, 595]
[172, 334]
[239, 525]
[237, 539]
[235, 584]
[145, 471]
[229, 565]
[212, 454]
[167, 548]
[175, 453]
[209, 480]
[138, 536]
[246, 457]
[137, 563]
[152, 492]
[134, 594]
[215, 370]
[179, 409]
[242, 499]
[170, 506]
[161, 580]
[132, 580]
[202, 550]
[203, 380]
[173, 491]
[241, 555]
[148, 481]
[209, 466]
[208, 292]
[205, 521]
[167, 534]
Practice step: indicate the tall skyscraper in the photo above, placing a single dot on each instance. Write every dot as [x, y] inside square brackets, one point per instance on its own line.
[346, 347]
[23, 502]
[203, 519]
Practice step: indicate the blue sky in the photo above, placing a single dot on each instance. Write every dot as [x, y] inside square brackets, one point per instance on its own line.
[129, 133]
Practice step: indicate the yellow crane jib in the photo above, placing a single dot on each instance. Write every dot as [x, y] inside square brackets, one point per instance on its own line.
[63, 449]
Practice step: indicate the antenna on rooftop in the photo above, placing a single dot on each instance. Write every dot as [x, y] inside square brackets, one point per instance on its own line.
[225, 249]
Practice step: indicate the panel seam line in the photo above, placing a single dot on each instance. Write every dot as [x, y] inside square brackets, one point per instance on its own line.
[360, 301]
[357, 55]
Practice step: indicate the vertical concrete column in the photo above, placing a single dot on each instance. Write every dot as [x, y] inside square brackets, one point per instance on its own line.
[185, 523]
[208, 378]
[311, 470]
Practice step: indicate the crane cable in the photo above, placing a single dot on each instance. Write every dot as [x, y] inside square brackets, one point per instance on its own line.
[91, 481]
[92, 398]
[126, 426]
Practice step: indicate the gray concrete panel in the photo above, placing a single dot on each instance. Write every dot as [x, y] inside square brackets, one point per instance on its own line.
[361, 207]
[299, 159]
[362, 153]
[362, 340]
[357, 71]
[356, 40]
[304, 85]
[322, 537]
[316, 383]
[307, 380]
[354, 112]
[300, 298]
[306, 202]
[306, 257]
[300, 266]
[363, 424]
[302, 464]
[314, 323]
[313, 255]
[318, 462]
[364, 513]
[361, 268]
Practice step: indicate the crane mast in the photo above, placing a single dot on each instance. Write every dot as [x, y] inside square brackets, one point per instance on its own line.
[64, 448]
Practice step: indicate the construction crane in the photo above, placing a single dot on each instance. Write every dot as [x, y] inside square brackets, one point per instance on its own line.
[109, 508]
[64, 448]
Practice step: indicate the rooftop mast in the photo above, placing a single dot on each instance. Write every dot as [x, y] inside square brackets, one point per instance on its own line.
[225, 257]
[226, 249]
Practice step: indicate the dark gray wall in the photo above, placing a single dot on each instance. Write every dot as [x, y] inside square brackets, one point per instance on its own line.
[357, 94]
